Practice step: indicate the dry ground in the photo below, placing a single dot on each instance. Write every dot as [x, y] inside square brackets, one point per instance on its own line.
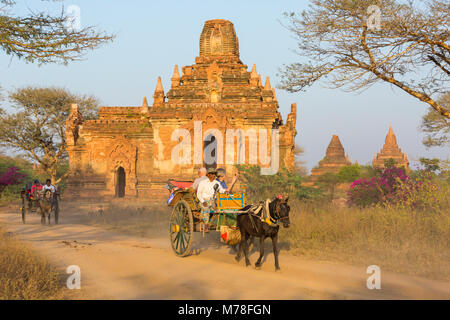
[119, 266]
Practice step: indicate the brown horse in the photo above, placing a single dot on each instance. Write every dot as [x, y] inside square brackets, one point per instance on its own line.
[252, 225]
[45, 205]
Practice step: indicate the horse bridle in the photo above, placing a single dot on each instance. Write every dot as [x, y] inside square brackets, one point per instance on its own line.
[277, 216]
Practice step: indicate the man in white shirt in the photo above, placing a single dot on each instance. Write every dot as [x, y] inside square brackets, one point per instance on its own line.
[48, 186]
[206, 192]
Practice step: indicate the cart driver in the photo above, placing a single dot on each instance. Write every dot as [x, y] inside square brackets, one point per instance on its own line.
[48, 186]
[206, 192]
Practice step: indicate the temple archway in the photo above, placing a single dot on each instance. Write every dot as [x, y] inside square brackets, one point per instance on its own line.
[120, 182]
[210, 152]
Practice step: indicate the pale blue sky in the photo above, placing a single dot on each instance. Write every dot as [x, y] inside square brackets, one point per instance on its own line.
[153, 36]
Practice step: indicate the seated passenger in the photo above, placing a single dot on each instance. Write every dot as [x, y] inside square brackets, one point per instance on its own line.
[221, 173]
[201, 177]
[36, 189]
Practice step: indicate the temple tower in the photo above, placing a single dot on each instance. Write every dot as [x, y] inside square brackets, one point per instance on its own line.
[334, 159]
[390, 150]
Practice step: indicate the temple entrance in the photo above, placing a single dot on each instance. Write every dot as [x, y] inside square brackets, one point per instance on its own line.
[210, 152]
[120, 182]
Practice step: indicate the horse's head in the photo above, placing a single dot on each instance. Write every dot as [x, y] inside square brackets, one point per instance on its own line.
[47, 194]
[280, 208]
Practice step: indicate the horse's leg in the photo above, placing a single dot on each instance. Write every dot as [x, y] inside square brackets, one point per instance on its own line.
[261, 252]
[42, 218]
[275, 250]
[247, 261]
[48, 216]
[238, 256]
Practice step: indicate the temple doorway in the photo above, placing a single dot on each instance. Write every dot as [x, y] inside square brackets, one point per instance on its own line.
[210, 152]
[120, 182]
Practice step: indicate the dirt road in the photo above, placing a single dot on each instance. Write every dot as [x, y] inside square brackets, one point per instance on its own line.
[115, 266]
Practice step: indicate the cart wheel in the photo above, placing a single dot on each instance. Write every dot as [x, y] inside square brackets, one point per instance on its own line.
[56, 214]
[181, 229]
[23, 211]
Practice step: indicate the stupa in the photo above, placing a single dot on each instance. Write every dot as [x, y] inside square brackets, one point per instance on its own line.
[335, 158]
[390, 150]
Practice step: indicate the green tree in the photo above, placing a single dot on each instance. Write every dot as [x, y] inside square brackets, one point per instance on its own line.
[329, 181]
[431, 165]
[409, 48]
[43, 38]
[260, 187]
[436, 126]
[390, 163]
[37, 129]
[349, 173]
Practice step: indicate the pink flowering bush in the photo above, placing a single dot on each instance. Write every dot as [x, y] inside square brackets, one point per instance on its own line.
[376, 190]
[393, 188]
[420, 192]
[11, 176]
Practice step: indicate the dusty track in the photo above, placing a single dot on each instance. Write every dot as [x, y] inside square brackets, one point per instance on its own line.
[116, 266]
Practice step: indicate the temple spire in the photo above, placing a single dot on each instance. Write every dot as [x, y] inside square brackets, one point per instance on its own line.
[267, 85]
[158, 96]
[254, 76]
[144, 108]
[390, 150]
[159, 87]
[176, 77]
[335, 158]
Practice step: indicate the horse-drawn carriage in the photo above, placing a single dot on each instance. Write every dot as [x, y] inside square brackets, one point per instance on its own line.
[186, 217]
[236, 221]
[31, 203]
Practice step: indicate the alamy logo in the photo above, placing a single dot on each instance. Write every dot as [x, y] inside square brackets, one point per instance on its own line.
[208, 147]
[374, 19]
[374, 281]
[73, 22]
[74, 280]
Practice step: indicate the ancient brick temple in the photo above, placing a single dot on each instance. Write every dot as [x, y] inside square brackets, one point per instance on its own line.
[215, 104]
[334, 159]
[390, 151]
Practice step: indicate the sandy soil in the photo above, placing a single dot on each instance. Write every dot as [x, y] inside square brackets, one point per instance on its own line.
[115, 266]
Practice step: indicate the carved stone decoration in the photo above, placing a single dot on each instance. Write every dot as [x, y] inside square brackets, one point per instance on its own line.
[123, 154]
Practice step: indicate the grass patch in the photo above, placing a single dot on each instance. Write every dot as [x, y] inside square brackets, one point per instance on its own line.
[24, 275]
[412, 242]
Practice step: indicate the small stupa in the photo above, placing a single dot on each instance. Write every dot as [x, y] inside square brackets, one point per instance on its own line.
[335, 158]
[390, 150]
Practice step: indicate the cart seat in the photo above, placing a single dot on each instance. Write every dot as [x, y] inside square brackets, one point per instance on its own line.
[181, 184]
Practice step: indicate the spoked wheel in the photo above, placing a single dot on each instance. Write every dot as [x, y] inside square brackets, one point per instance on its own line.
[23, 210]
[181, 229]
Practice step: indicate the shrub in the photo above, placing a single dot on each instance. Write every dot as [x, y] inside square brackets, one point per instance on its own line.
[12, 176]
[423, 191]
[376, 190]
[260, 187]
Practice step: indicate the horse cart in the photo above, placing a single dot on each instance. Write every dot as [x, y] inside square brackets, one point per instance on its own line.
[30, 203]
[186, 217]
